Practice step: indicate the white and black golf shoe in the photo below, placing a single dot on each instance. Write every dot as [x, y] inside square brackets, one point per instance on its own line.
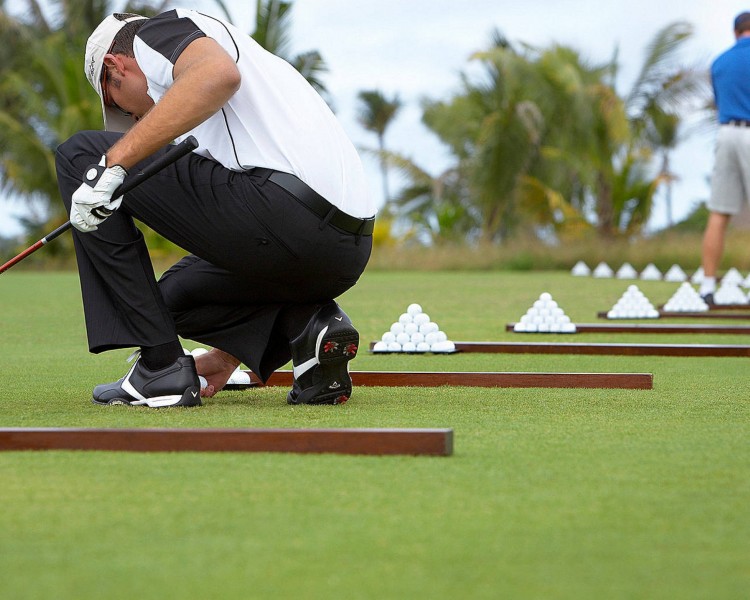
[175, 385]
[321, 355]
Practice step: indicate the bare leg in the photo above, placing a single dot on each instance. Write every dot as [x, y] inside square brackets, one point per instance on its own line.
[217, 367]
[713, 242]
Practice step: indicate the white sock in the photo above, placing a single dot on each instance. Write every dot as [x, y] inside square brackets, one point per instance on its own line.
[708, 286]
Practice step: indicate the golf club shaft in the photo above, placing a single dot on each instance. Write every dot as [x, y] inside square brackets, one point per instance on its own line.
[180, 150]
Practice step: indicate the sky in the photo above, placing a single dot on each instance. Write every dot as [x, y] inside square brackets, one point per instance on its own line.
[417, 49]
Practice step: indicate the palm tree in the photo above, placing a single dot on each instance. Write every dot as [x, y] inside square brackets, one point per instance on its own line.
[662, 92]
[543, 138]
[517, 133]
[376, 113]
[45, 97]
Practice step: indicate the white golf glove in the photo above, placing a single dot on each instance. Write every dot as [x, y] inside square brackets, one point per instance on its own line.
[92, 202]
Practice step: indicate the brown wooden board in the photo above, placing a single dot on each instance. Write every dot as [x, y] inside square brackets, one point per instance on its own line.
[652, 328]
[694, 315]
[641, 381]
[431, 442]
[608, 349]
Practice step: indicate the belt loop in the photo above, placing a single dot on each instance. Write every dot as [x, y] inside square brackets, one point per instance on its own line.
[328, 217]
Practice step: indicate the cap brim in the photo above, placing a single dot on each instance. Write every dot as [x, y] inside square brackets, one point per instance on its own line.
[114, 120]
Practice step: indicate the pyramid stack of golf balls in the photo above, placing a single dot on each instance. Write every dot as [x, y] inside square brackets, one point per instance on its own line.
[729, 293]
[686, 299]
[698, 276]
[732, 277]
[581, 269]
[603, 271]
[675, 274]
[545, 316]
[626, 271]
[633, 304]
[414, 332]
[651, 273]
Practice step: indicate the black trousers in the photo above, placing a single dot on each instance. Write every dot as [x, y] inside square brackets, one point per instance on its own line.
[258, 258]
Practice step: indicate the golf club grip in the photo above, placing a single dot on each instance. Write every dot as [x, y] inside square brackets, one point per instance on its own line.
[184, 147]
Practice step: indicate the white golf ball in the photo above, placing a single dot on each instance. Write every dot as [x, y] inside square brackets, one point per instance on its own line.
[423, 347]
[429, 327]
[405, 318]
[388, 337]
[397, 328]
[441, 336]
[380, 347]
[409, 347]
[203, 381]
[417, 337]
[545, 297]
[421, 318]
[394, 347]
[414, 309]
[411, 328]
[403, 337]
[199, 351]
[443, 347]
[431, 338]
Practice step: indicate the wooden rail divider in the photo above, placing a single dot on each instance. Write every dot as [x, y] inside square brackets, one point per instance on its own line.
[635, 381]
[654, 328]
[429, 442]
[624, 349]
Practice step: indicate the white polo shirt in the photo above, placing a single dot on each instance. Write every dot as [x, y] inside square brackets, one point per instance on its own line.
[275, 120]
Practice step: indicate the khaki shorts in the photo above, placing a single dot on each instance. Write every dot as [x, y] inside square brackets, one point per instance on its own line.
[730, 181]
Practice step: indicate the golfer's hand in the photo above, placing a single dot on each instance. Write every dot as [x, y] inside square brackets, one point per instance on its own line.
[92, 203]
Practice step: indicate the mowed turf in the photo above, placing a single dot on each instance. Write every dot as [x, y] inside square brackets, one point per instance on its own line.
[551, 493]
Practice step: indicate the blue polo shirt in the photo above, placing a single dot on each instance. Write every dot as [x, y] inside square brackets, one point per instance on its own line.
[730, 77]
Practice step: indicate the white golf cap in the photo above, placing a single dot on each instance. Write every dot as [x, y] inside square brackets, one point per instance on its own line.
[99, 44]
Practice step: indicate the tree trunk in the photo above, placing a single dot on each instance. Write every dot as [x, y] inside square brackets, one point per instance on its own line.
[604, 208]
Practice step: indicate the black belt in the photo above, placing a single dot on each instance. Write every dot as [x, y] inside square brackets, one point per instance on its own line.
[316, 203]
[738, 123]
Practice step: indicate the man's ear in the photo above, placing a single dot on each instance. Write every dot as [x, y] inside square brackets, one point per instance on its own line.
[112, 61]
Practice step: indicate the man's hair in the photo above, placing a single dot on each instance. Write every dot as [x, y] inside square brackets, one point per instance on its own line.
[742, 23]
[123, 42]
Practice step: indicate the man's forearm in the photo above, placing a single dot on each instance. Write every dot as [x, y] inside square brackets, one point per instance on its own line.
[202, 85]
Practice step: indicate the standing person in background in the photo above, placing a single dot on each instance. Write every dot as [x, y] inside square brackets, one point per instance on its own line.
[730, 182]
[273, 207]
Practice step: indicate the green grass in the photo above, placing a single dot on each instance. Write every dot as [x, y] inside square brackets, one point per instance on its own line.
[551, 493]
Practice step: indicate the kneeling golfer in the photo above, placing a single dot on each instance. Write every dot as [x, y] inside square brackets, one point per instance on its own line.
[272, 206]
